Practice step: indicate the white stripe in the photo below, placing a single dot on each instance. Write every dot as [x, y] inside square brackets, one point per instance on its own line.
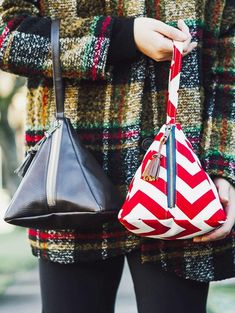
[191, 194]
[149, 189]
[179, 45]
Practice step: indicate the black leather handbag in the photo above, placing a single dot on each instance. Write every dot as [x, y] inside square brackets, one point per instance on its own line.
[63, 186]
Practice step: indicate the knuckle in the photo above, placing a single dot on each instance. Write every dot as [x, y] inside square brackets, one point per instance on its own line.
[160, 47]
[158, 59]
[222, 237]
[224, 200]
[225, 233]
[172, 33]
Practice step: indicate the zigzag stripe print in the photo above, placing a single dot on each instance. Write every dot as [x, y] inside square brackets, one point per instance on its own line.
[197, 207]
[171, 196]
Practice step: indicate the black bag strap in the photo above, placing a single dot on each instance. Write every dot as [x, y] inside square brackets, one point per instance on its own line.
[57, 76]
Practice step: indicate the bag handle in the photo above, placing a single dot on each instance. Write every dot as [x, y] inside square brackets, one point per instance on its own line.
[174, 81]
[57, 76]
[173, 86]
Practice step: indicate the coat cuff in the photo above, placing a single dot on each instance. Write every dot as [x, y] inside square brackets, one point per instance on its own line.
[218, 165]
[122, 46]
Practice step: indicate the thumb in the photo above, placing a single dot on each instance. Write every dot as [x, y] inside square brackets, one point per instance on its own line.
[223, 187]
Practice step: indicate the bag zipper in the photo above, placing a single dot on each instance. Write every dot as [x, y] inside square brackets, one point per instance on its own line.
[171, 168]
[56, 133]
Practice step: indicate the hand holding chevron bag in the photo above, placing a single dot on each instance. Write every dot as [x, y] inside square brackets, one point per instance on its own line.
[171, 196]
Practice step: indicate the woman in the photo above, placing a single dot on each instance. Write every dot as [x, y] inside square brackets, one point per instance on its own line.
[113, 57]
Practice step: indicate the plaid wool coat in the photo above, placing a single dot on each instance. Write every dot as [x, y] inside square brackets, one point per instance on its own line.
[117, 109]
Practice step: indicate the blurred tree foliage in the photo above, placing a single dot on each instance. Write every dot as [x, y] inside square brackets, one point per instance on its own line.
[7, 133]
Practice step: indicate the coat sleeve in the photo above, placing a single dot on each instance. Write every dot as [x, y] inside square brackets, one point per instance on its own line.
[25, 42]
[122, 47]
[218, 137]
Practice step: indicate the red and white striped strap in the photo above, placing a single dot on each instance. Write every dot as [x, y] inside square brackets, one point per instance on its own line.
[174, 81]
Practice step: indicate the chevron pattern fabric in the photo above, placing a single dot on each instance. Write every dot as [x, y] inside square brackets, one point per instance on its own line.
[171, 196]
[196, 208]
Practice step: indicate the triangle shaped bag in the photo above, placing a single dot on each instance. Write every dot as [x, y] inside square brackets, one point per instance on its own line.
[63, 186]
[171, 196]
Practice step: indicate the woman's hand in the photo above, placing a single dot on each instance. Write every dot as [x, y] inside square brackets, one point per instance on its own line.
[227, 197]
[154, 38]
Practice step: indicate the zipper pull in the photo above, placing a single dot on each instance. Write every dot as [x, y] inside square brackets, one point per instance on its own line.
[151, 172]
[167, 133]
[21, 170]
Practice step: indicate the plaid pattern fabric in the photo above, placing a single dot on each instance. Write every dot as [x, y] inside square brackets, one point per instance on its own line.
[114, 108]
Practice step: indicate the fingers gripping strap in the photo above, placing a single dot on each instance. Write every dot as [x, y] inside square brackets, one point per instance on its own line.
[174, 80]
[57, 76]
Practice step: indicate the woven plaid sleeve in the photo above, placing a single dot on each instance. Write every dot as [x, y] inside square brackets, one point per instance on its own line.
[218, 140]
[25, 42]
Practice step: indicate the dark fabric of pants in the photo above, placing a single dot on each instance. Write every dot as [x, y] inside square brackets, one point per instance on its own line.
[80, 288]
[158, 291]
[92, 287]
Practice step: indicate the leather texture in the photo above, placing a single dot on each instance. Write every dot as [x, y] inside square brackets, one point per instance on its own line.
[83, 195]
[57, 75]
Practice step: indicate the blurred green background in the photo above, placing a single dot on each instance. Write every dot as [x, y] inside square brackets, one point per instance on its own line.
[15, 254]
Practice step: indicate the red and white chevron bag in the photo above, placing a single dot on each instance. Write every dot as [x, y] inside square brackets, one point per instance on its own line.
[171, 196]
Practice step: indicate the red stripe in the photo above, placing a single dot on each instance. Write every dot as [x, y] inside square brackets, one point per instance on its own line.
[176, 67]
[185, 151]
[219, 162]
[171, 110]
[218, 216]
[158, 9]
[33, 138]
[159, 229]
[89, 137]
[120, 7]
[4, 35]
[97, 48]
[128, 225]
[119, 135]
[143, 199]
[66, 236]
[9, 27]
[191, 180]
[158, 136]
[190, 229]
[193, 209]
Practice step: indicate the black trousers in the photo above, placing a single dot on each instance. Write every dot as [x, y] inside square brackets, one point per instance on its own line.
[92, 287]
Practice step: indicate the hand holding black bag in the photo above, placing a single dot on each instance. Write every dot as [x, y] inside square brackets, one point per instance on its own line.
[63, 186]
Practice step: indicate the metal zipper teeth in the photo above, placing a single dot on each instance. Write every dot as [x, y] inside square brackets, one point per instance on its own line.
[53, 165]
[171, 169]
